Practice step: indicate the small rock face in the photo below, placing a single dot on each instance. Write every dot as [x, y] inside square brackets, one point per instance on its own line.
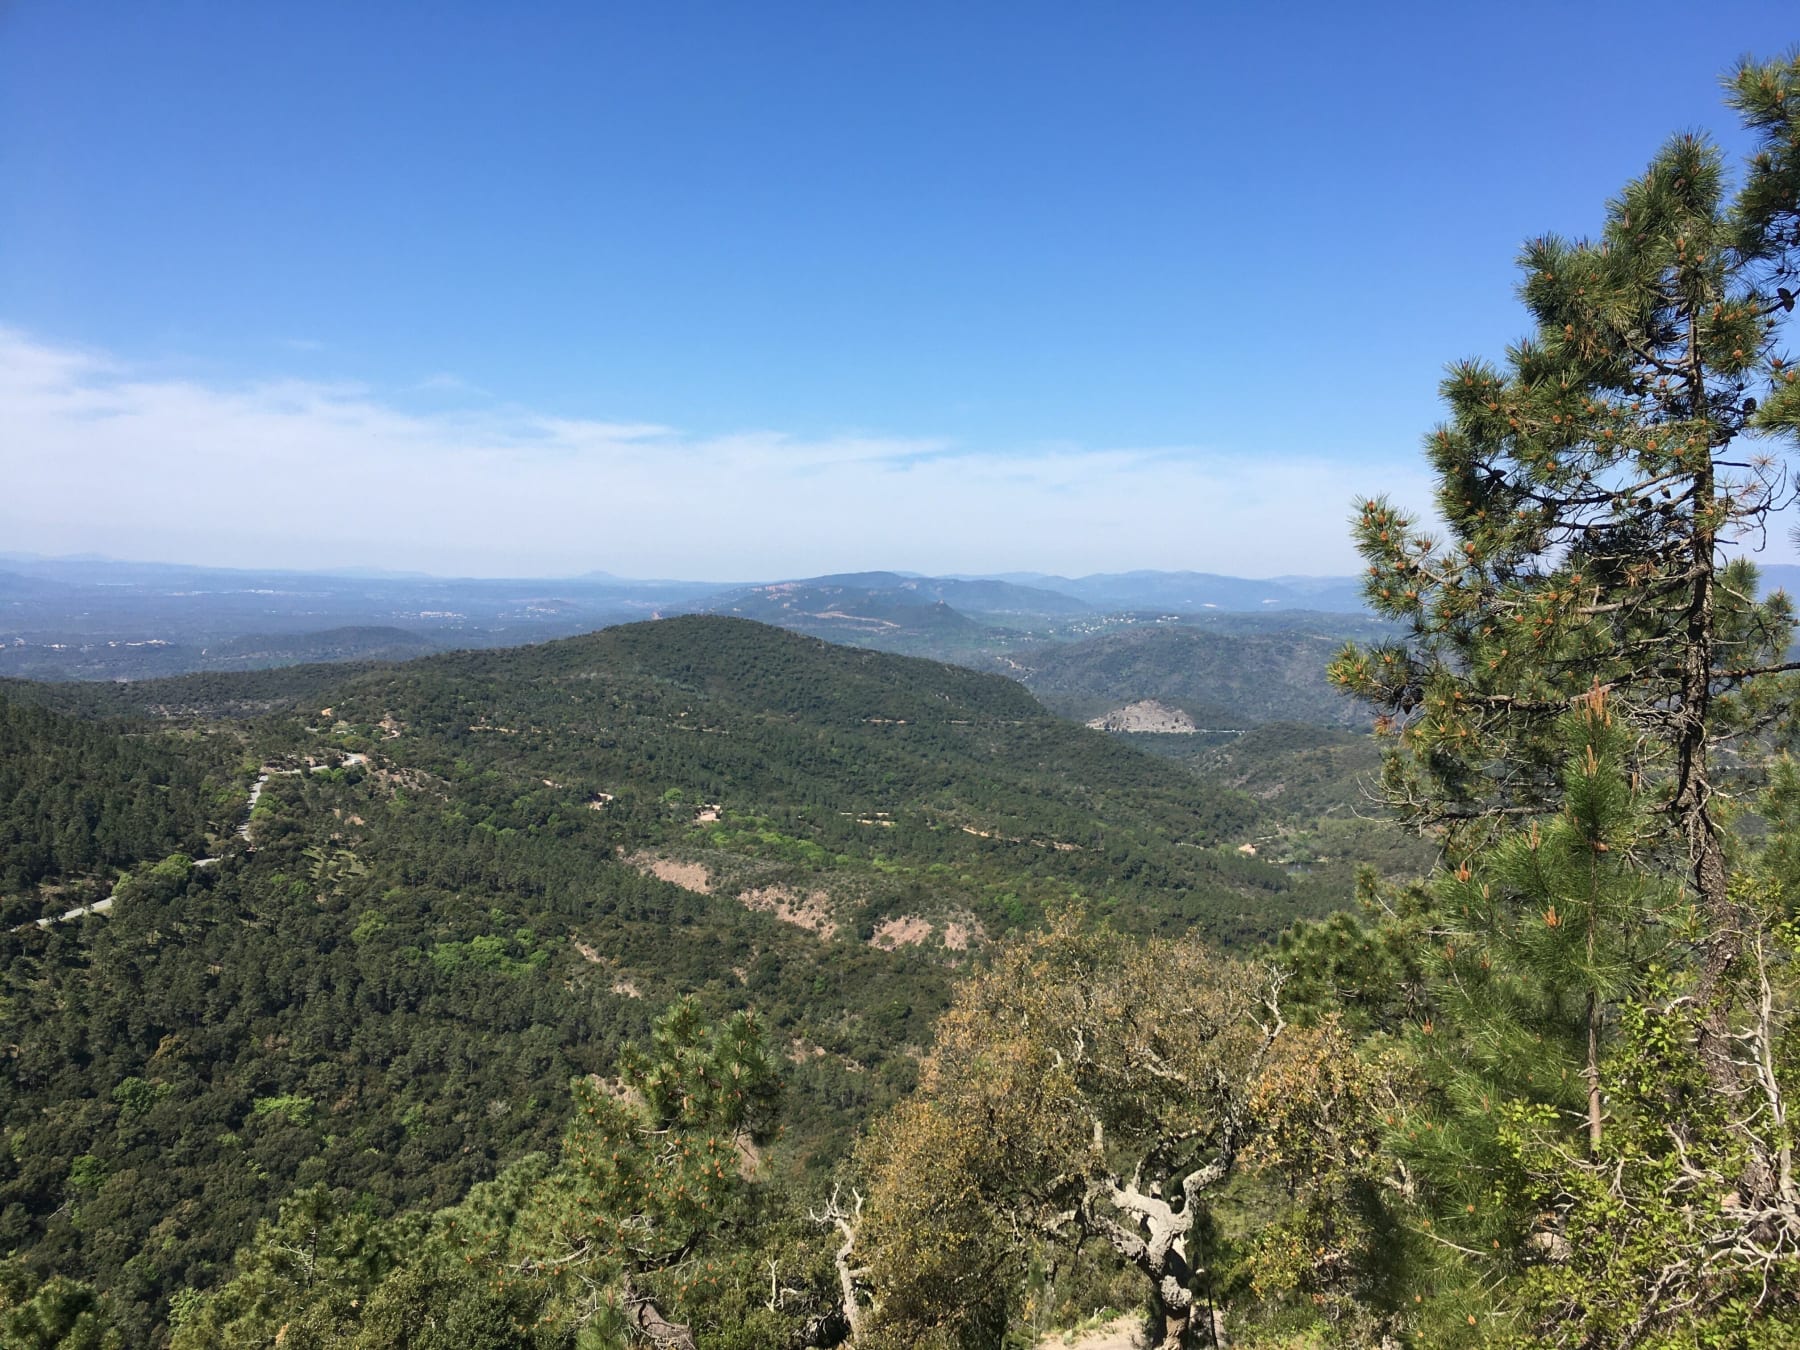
[1147, 715]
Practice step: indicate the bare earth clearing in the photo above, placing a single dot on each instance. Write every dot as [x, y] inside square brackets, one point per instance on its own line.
[909, 930]
[1147, 715]
[1122, 1333]
[811, 911]
[691, 875]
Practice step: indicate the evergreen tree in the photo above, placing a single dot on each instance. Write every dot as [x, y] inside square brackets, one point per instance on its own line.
[1606, 1048]
[1592, 488]
[1553, 928]
[654, 1168]
[52, 1314]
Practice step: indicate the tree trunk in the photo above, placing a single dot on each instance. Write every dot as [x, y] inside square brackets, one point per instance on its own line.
[648, 1319]
[1693, 792]
[1593, 1071]
[1176, 1317]
[1169, 1328]
[1728, 926]
[1156, 1245]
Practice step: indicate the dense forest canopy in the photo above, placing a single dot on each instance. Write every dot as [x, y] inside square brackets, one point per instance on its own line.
[449, 902]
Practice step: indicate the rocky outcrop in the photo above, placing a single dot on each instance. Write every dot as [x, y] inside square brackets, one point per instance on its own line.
[1147, 715]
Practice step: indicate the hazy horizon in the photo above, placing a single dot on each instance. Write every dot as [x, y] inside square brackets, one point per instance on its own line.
[1020, 575]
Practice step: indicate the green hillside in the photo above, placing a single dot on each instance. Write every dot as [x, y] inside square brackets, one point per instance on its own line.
[79, 800]
[1231, 680]
[456, 903]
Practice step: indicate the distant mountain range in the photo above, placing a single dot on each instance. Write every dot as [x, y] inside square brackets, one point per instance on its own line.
[1217, 680]
[1186, 591]
[90, 618]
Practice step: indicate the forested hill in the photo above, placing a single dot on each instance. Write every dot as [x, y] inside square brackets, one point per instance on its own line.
[754, 665]
[832, 758]
[204, 696]
[468, 879]
[76, 798]
[1231, 680]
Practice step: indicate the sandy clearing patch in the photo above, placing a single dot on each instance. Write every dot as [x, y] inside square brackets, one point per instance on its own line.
[587, 952]
[961, 934]
[813, 911]
[626, 989]
[691, 875]
[909, 930]
[1122, 1333]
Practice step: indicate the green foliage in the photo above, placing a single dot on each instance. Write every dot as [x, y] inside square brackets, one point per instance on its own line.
[693, 1071]
[323, 1274]
[1335, 1253]
[1367, 966]
[517, 954]
[295, 1110]
[78, 798]
[654, 1167]
[656, 1204]
[1083, 1087]
[1598, 1153]
[135, 1096]
[1653, 1247]
[53, 1314]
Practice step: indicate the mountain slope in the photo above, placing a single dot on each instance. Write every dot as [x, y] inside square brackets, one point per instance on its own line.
[1184, 592]
[79, 799]
[469, 878]
[775, 725]
[1221, 680]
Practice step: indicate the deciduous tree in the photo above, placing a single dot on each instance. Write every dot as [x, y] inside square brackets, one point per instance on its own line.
[1084, 1087]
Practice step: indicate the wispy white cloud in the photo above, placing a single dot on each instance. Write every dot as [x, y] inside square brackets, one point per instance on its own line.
[97, 456]
[443, 382]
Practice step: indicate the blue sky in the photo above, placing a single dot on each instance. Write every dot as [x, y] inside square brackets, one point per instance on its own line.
[762, 289]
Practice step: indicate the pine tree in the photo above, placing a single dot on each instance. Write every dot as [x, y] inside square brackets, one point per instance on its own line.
[1593, 487]
[653, 1167]
[1559, 924]
[1581, 646]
